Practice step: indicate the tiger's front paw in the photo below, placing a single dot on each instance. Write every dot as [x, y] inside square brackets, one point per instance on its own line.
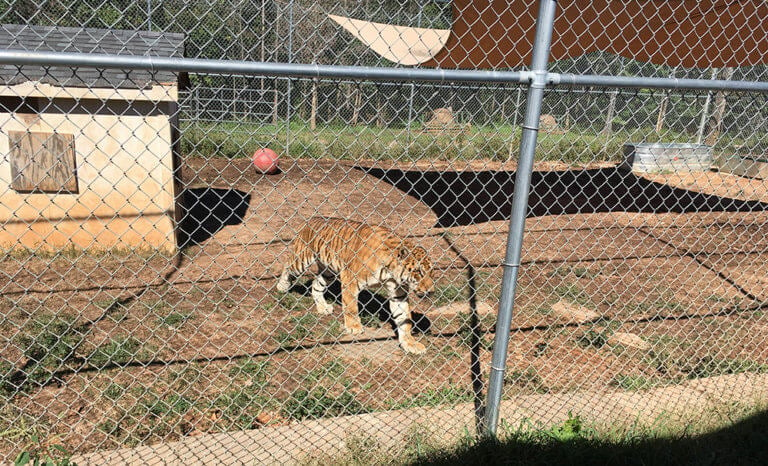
[354, 330]
[283, 285]
[412, 346]
[324, 309]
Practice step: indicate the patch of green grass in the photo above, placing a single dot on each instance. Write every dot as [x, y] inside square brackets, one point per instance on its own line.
[294, 302]
[49, 342]
[450, 394]
[114, 391]
[298, 328]
[359, 450]
[339, 141]
[150, 416]
[528, 379]
[158, 308]
[175, 319]
[596, 338]
[114, 309]
[447, 294]
[36, 447]
[483, 325]
[573, 442]
[319, 402]
[660, 306]
[709, 366]
[120, 350]
[634, 382]
[241, 405]
[253, 368]
[572, 293]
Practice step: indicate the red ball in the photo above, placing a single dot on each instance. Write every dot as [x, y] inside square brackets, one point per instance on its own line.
[266, 161]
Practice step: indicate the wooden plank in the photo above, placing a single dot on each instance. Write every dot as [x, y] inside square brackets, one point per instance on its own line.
[43, 162]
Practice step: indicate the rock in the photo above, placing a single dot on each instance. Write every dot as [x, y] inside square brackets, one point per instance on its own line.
[548, 124]
[462, 307]
[442, 120]
[630, 340]
[574, 312]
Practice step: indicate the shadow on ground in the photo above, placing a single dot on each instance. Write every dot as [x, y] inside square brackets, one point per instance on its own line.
[471, 197]
[208, 210]
[744, 443]
[370, 305]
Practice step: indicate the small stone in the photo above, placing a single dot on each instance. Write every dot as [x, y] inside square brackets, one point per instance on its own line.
[263, 419]
[630, 340]
[574, 312]
[462, 307]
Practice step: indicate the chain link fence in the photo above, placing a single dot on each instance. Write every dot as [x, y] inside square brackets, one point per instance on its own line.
[142, 245]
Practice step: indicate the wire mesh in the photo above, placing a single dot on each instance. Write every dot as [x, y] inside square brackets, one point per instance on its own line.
[143, 246]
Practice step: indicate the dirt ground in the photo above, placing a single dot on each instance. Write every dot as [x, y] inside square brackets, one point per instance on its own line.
[161, 347]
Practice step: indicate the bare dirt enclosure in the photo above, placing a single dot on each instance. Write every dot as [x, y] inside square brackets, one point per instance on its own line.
[629, 284]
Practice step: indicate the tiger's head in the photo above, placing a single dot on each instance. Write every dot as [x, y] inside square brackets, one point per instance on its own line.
[417, 269]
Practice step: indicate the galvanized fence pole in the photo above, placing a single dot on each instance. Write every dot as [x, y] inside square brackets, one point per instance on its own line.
[530, 128]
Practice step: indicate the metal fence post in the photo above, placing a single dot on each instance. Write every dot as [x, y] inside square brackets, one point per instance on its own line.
[541, 48]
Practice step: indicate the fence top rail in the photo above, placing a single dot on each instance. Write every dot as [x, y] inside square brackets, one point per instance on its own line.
[249, 68]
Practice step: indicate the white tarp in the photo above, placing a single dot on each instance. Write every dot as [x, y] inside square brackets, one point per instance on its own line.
[399, 44]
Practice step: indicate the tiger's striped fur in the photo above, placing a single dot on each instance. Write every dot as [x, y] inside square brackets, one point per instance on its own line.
[362, 256]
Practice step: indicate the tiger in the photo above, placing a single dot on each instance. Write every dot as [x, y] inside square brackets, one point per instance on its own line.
[361, 256]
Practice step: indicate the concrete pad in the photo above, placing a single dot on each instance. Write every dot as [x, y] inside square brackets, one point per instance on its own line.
[445, 425]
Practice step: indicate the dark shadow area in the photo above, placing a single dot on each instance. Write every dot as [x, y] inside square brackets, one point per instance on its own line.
[743, 443]
[475, 340]
[470, 197]
[208, 210]
[370, 305]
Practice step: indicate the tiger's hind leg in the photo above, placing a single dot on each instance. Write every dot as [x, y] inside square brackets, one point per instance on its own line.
[319, 285]
[401, 314]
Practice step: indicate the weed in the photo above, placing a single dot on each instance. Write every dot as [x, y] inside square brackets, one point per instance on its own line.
[36, 447]
[118, 351]
[708, 366]
[241, 406]
[450, 394]
[49, 341]
[318, 403]
[364, 449]
[572, 428]
[114, 391]
[447, 294]
[254, 368]
[175, 319]
[419, 441]
[594, 338]
[528, 379]
[662, 361]
[359, 450]
[294, 302]
[633, 382]
[150, 416]
[572, 292]
[366, 318]
[300, 328]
